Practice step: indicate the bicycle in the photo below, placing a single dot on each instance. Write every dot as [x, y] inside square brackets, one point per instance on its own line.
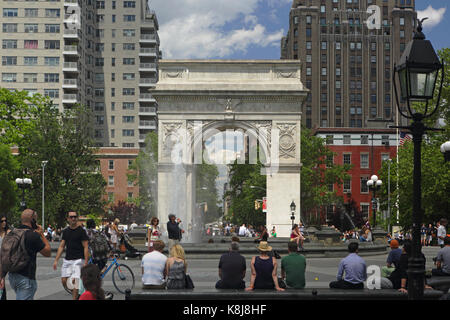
[122, 276]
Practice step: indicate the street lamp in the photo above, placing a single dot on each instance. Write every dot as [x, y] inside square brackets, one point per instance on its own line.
[293, 206]
[374, 184]
[417, 70]
[23, 184]
[43, 164]
[445, 149]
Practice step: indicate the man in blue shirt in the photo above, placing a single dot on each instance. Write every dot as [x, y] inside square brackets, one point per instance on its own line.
[352, 270]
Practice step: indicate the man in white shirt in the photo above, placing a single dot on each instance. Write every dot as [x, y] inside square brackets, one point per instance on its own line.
[242, 231]
[442, 232]
[153, 267]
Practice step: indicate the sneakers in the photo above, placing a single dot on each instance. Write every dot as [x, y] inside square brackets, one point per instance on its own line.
[109, 295]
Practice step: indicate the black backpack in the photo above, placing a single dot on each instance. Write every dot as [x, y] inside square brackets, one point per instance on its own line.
[13, 253]
[99, 245]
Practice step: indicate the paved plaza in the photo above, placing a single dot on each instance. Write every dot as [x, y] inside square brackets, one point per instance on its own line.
[204, 273]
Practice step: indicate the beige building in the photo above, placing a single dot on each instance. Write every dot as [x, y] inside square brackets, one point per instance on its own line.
[348, 61]
[102, 54]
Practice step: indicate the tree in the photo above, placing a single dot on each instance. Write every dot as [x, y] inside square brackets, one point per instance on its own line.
[72, 177]
[127, 213]
[9, 171]
[144, 173]
[206, 190]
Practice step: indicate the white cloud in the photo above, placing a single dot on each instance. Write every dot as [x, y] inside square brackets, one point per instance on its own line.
[206, 28]
[434, 16]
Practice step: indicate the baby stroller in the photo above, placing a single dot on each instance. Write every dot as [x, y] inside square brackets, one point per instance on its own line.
[127, 249]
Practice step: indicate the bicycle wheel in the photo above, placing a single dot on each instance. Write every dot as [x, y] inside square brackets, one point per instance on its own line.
[123, 278]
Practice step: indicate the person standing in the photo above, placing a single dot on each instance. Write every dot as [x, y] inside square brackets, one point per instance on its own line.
[76, 242]
[442, 232]
[114, 232]
[4, 230]
[352, 270]
[23, 281]
[153, 233]
[232, 269]
[429, 234]
[242, 231]
[174, 231]
[153, 266]
[264, 270]
[293, 267]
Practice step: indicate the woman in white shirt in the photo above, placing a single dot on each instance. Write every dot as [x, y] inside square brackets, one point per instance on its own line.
[153, 233]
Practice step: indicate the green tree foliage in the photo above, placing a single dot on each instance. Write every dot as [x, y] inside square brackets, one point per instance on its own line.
[72, 177]
[9, 170]
[317, 173]
[206, 190]
[144, 173]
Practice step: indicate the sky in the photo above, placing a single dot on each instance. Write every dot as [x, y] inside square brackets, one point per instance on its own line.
[252, 29]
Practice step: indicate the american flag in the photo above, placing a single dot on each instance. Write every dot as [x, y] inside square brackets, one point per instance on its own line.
[404, 137]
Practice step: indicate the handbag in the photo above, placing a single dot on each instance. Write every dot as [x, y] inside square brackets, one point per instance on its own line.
[281, 283]
[189, 284]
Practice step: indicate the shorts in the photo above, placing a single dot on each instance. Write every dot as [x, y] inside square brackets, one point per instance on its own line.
[72, 268]
[114, 238]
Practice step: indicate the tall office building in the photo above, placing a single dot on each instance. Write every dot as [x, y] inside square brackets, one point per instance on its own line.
[348, 61]
[102, 54]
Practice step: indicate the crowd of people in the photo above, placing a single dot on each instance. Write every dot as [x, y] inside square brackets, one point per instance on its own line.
[88, 248]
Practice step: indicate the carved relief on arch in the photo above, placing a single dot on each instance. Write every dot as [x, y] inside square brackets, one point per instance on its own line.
[287, 140]
[171, 136]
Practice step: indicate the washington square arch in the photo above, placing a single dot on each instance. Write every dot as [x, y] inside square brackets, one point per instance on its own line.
[199, 98]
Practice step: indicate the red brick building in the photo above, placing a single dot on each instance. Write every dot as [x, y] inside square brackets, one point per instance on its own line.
[114, 166]
[365, 149]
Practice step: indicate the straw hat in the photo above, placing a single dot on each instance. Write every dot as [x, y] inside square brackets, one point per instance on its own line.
[264, 246]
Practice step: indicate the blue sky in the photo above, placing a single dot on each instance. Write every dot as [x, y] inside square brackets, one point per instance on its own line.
[251, 29]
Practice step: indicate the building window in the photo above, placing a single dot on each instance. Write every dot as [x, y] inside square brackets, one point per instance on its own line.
[111, 164]
[329, 139]
[364, 210]
[111, 181]
[347, 138]
[347, 185]
[364, 188]
[347, 158]
[364, 164]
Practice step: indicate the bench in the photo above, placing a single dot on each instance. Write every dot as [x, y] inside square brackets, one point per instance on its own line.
[269, 295]
[439, 283]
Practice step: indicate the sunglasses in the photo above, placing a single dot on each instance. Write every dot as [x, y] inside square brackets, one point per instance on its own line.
[3, 221]
[73, 217]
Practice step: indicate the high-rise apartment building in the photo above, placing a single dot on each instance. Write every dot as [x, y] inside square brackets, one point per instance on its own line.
[347, 59]
[102, 54]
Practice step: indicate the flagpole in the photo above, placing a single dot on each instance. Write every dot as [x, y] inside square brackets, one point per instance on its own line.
[397, 201]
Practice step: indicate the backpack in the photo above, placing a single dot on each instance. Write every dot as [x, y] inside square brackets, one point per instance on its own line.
[99, 245]
[14, 256]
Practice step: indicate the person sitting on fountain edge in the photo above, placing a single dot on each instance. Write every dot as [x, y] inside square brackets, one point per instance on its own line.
[232, 269]
[352, 270]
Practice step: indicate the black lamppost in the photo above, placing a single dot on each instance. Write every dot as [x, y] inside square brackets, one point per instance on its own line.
[293, 206]
[374, 184]
[417, 70]
[23, 184]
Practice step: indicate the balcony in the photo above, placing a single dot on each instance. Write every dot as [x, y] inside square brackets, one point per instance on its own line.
[146, 97]
[149, 38]
[70, 50]
[71, 34]
[70, 84]
[148, 52]
[147, 111]
[147, 67]
[70, 2]
[147, 124]
[69, 98]
[70, 66]
[147, 82]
